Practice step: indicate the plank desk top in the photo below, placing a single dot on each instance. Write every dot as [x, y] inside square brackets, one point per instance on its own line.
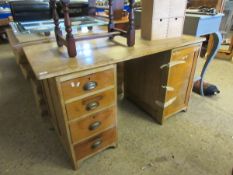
[47, 60]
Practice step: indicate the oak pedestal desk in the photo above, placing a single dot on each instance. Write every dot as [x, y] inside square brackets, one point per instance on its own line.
[81, 91]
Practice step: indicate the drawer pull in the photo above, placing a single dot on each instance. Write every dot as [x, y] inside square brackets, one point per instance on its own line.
[168, 88]
[172, 64]
[166, 104]
[97, 144]
[94, 126]
[92, 106]
[90, 85]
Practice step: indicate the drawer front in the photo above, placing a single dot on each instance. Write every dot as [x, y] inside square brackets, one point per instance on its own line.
[179, 73]
[90, 104]
[176, 88]
[181, 54]
[95, 144]
[92, 124]
[82, 85]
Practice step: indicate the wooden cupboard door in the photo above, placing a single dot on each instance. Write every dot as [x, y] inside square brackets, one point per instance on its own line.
[180, 80]
[90, 104]
[92, 124]
[95, 144]
[89, 83]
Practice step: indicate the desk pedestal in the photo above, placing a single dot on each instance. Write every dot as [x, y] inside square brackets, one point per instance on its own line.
[161, 84]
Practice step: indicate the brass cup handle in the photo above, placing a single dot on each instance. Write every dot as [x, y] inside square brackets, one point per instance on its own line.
[94, 125]
[90, 85]
[96, 144]
[92, 106]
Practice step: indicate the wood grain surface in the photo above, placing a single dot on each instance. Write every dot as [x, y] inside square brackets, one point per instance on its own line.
[47, 60]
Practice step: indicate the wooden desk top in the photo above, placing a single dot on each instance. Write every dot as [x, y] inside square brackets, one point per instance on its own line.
[47, 60]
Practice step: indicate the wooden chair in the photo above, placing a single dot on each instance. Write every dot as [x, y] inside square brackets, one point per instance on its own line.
[70, 40]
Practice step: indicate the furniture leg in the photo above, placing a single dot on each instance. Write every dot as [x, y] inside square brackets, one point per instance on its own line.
[217, 40]
[131, 29]
[69, 36]
[57, 29]
[111, 18]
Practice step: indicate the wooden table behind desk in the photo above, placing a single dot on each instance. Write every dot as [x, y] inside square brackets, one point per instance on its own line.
[17, 43]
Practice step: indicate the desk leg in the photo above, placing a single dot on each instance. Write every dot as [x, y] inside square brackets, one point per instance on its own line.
[216, 44]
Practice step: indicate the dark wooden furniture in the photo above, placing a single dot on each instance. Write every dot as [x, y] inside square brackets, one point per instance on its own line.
[217, 4]
[70, 40]
[25, 10]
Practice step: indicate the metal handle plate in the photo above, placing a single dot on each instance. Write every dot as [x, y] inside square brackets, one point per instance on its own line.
[94, 125]
[96, 144]
[90, 85]
[92, 106]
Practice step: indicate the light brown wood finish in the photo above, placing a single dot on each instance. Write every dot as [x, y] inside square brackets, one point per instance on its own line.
[59, 118]
[39, 97]
[144, 87]
[69, 106]
[92, 124]
[50, 104]
[77, 131]
[181, 79]
[81, 107]
[226, 54]
[4, 22]
[27, 72]
[164, 84]
[95, 143]
[18, 51]
[76, 87]
[48, 61]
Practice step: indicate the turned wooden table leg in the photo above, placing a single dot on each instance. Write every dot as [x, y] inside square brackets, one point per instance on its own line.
[57, 29]
[71, 47]
[111, 18]
[131, 29]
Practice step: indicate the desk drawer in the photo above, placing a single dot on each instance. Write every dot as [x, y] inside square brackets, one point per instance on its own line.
[90, 104]
[95, 144]
[82, 85]
[184, 53]
[92, 124]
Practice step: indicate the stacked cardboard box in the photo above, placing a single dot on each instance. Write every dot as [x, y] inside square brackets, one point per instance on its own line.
[162, 18]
